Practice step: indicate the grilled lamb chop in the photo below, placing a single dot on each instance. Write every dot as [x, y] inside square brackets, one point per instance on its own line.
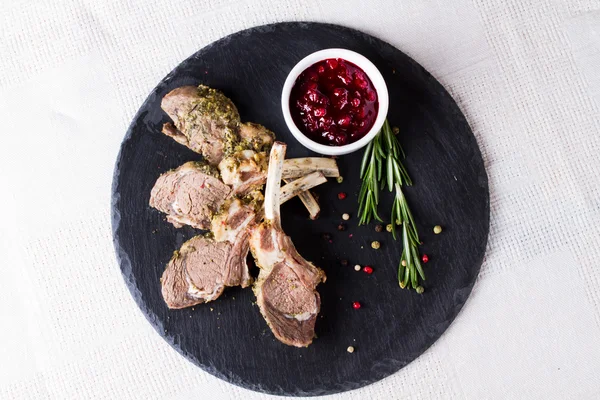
[208, 122]
[192, 193]
[286, 286]
[204, 120]
[189, 195]
[203, 267]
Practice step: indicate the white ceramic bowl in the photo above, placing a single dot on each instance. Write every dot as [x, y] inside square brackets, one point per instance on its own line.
[372, 72]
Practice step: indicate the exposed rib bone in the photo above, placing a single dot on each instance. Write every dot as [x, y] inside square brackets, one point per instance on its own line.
[310, 202]
[272, 198]
[297, 167]
[301, 185]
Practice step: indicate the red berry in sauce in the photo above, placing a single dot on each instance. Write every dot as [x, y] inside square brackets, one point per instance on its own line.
[337, 92]
[425, 258]
[361, 83]
[319, 112]
[356, 305]
[334, 102]
[368, 269]
[344, 121]
[341, 139]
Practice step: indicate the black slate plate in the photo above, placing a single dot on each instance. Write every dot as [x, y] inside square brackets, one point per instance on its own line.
[229, 338]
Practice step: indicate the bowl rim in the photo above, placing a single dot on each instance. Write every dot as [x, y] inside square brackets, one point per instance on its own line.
[374, 75]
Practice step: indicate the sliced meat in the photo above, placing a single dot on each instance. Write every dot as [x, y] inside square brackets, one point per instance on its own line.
[195, 274]
[289, 306]
[203, 267]
[286, 285]
[189, 195]
[204, 120]
[244, 170]
[231, 226]
[175, 285]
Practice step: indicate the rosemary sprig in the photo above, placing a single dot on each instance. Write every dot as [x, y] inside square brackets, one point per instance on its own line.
[410, 264]
[409, 269]
[370, 173]
[385, 152]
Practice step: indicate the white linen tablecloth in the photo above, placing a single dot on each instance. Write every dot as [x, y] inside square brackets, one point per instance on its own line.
[525, 73]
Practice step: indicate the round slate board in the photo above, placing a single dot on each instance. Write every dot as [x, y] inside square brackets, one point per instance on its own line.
[229, 338]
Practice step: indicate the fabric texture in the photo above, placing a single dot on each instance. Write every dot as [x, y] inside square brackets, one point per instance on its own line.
[525, 73]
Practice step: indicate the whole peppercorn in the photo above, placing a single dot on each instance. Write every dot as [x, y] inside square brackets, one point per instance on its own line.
[345, 216]
[378, 228]
[341, 227]
[340, 179]
[368, 269]
[375, 244]
[344, 262]
[341, 195]
[388, 227]
[356, 305]
[420, 289]
[437, 229]
[396, 130]
[425, 258]
[357, 267]
[350, 349]
[403, 263]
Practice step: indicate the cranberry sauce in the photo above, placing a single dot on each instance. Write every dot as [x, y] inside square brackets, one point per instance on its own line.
[334, 102]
